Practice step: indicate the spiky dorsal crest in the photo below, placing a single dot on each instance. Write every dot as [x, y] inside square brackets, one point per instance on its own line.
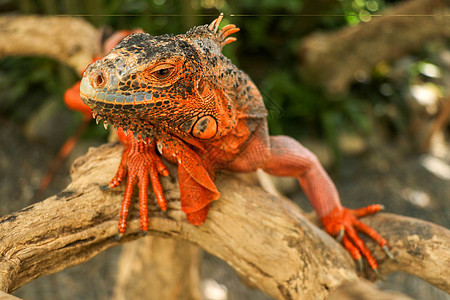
[211, 32]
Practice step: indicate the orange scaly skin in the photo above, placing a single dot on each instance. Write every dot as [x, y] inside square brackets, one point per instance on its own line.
[188, 102]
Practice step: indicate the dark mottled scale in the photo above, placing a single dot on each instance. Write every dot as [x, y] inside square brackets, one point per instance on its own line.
[129, 107]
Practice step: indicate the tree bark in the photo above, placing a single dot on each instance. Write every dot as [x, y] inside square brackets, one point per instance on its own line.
[70, 40]
[264, 238]
[5, 296]
[353, 52]
[362, 289]
[164, 268]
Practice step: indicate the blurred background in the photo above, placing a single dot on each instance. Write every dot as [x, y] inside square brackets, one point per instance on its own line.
[356, 81]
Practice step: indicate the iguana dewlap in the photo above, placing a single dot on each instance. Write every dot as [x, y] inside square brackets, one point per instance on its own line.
[179, 96]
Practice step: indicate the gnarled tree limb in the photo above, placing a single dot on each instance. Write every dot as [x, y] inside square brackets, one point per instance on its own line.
[354, 50]
[70, 40]
[264, 238]
[159, 268]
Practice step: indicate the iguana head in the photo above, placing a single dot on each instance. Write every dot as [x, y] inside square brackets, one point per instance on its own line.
[169, 83]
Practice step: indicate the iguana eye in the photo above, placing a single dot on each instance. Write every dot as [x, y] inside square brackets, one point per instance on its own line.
[162, 73]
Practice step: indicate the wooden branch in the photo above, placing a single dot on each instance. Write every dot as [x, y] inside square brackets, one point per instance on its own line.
[5, 296]
[166, 269]
[362, 289]
[353, 52]
[264, 238]
[70, 40]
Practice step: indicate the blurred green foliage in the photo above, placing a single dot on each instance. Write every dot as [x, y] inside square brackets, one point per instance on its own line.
[24, 83]
[267, 49]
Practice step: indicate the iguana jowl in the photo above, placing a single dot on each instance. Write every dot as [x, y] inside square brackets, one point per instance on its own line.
[180, 96]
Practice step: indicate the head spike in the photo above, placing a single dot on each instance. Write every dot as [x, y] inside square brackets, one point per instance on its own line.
[226, 32]
[228, 40]
[215, 24]
[226, 27]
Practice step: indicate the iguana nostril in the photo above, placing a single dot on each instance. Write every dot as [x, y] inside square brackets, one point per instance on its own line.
[99, 79]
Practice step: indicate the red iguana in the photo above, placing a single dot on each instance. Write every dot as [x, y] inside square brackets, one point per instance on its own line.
[179, 96]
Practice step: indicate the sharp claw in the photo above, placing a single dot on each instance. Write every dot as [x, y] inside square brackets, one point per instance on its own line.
[340, 236]
[359, 263]
[143, 232]
[389, 253]
[382, 207]
[159, 146]
[118, 236]
[378, 274]
[105, 187]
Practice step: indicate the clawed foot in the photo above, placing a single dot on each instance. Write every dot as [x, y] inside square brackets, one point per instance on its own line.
[139, 165]
[344, 224]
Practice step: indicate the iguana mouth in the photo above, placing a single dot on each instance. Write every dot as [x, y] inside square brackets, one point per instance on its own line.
[113, 108]
[101, 97]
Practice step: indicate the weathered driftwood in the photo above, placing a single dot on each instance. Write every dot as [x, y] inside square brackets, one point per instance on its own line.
[5, 296]
[160, 268]
[362, 289]
[264, 238]
[353, 52]
[70, 40]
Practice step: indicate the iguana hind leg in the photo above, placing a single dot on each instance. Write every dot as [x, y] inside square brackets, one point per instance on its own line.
[289, 158]
[284, 156]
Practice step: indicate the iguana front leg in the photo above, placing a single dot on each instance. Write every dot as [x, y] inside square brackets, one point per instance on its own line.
[284, 156]
[139, 165]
